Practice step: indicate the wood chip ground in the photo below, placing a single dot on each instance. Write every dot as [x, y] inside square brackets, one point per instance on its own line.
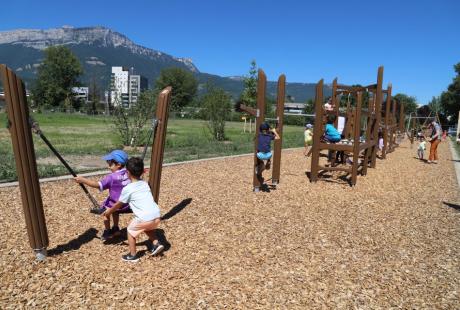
[390, 242]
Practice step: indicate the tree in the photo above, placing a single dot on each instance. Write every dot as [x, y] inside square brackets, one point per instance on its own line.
[249, 94]
[56, 76]
[217, 108]
[450, 99]
[410, 103]
[309, 106]
[129, 123]
[435, 105]
[184, 86]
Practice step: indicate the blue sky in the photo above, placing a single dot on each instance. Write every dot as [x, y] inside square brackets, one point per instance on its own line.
[418, 42]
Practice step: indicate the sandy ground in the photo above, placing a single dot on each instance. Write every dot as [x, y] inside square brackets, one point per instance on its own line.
[390, 242]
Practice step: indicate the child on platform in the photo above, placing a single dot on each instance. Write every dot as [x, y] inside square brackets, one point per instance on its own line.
[266, 135]
[331, 134]
[146, 212]
[114, 182]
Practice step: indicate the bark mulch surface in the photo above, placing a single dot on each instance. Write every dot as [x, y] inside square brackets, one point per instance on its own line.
[390, 242]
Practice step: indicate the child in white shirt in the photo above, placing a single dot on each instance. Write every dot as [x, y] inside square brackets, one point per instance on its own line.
[421, 148]
[146, 212]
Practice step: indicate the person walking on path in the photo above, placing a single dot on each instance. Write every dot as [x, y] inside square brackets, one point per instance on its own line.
[436, 135]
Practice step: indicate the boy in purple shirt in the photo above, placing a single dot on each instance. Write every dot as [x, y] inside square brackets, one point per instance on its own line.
[114, 182]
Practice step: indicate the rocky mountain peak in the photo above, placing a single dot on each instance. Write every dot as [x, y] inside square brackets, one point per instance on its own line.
[68, 35]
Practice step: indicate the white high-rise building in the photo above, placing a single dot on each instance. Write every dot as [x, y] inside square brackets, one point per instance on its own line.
[126, 87]
[119, 94]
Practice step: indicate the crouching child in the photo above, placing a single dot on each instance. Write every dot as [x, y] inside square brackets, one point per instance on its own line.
[146, 212]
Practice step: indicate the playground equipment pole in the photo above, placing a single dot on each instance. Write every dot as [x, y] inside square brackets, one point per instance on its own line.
[26, 165]
[36, 129]
[278, 143]
[156, 159]
[151, 131]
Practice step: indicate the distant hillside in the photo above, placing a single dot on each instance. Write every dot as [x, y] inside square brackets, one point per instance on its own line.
[99, 48]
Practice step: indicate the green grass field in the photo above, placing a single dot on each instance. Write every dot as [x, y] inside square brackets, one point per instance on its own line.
[82, 135]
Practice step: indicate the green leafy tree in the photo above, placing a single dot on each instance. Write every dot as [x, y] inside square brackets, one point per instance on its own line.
[217, 107]
[184, 86]
[450, 99]
[435, 104]
[410, 103]
[249, 94]
[56, 76]
[309, 106]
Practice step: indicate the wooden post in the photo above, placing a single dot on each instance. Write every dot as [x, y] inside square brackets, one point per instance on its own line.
[317, 131]
[156, 159]
[260, 118]
[356, 140]
[378, 102]
[26, 166]
[386, 123]
[278, 143]
[401, 118]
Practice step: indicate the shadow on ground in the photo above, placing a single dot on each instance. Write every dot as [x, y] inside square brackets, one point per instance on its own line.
[452, 205]
[176, 209]
[74, 244]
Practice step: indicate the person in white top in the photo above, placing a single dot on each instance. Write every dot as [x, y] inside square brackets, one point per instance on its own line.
[146, 212]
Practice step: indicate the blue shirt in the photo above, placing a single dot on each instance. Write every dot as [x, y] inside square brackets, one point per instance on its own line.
[331, 132]
[263, 144]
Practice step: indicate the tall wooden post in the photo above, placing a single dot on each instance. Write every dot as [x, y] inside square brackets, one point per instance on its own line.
[401, 118]
[386, 123]
[260, 118]
[156, 159]
[378, 102]
[356, 139]
[278, 143]
[317, 131]
[26, 166]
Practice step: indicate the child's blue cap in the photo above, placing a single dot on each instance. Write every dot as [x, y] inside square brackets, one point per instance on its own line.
[309, 126]
[264, 126]
[118, 155]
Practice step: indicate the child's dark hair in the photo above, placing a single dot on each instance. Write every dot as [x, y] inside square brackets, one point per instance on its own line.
[331, 118]
[112, 161]
[135, 166]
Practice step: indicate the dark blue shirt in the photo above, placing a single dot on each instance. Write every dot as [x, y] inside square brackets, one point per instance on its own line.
[263, 144]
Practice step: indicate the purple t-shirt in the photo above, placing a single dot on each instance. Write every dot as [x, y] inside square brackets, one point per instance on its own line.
[114, 182]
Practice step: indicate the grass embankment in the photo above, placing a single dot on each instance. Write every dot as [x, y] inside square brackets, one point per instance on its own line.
[81, 135]
[456, 145]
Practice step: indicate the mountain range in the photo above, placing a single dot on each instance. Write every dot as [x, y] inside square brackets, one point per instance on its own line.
[100, 48]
